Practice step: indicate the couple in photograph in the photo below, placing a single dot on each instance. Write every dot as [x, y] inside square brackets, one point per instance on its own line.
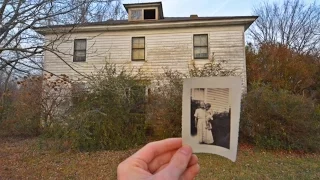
[203, 116]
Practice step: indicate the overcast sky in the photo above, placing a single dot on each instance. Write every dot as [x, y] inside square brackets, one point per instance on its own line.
[177, 8]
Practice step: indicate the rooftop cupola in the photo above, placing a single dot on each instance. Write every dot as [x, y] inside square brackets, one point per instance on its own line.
[144, 11]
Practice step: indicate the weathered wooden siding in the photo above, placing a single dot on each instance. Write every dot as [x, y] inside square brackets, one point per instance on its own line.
[165, 48]
[219, 99]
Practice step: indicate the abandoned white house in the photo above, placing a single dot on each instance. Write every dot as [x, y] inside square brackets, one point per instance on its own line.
[149, 41]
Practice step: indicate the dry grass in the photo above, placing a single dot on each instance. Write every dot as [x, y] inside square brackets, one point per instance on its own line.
[22, 159]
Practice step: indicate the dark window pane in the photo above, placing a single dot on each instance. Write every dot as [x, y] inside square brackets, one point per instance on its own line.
[79, 59]
[200, 40]
[136, 14]
[138, 48]
[80, 48]
[138, 42]
[201, 52]
[138, 54]
[149, 14]
[80, 44]
[200, 46]
[80, 53]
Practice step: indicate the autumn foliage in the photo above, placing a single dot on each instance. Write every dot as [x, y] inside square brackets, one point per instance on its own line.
[24, 110]
[281, 108]
[34, 105]
[282, 68]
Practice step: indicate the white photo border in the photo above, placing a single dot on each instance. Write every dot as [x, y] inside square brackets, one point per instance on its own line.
[234, 84]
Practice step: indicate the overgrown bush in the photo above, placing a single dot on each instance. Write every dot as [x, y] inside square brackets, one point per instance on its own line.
[165, 106]
[277, 119]
[165, 101]
[33, 104]
[55, 99]
[113, 112]
[107, 114]
[7, 89]
[24, 112]
[109, 109]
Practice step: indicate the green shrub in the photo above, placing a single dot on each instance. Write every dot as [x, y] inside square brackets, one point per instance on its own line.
[280, 120]
[110, 114]
[165, 101]
[165, 106]
[113, 111]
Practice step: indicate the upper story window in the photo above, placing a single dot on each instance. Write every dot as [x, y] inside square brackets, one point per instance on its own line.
[149, 14]
[136, 14]
[144, 11]
[200, 46]
[80, 50]
[138, 48]
[143, 14]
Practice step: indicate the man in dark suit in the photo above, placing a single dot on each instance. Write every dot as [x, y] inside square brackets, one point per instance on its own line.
[221, 129]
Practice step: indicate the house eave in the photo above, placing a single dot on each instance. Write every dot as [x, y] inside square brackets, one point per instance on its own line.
[139, 5]
[246, 22]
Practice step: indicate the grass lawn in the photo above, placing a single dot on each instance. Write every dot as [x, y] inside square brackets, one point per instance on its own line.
[23, 159]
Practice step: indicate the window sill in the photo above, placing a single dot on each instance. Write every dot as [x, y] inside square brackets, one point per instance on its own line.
[79, 61]
[142, 60]
[201, 58]
[207, 59]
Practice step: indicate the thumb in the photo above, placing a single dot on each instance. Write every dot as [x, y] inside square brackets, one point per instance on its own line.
[178, 164]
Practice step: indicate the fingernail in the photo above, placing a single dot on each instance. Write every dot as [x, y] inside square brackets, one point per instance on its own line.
[186, 150]
[198, 168]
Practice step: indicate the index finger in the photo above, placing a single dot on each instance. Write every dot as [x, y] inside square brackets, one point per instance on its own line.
[154, 149]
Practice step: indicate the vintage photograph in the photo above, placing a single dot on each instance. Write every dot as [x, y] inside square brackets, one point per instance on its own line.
[211, 114]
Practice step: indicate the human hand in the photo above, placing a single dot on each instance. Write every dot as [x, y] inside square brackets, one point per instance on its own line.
[166, 159]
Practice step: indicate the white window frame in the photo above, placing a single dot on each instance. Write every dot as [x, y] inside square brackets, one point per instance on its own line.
[194, 47]
[74, 50]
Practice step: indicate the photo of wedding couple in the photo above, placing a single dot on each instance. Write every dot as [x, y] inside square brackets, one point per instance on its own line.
[210, 116]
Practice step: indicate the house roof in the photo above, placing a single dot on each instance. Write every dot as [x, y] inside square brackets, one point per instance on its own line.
[162, 22]
[168, 20]
[142, 4]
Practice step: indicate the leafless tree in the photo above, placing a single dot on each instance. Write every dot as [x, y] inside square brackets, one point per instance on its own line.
[292, 23]
[21, 48]
[96, 11]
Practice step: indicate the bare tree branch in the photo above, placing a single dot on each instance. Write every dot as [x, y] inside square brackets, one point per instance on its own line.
[292, 23]
[20, 45]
